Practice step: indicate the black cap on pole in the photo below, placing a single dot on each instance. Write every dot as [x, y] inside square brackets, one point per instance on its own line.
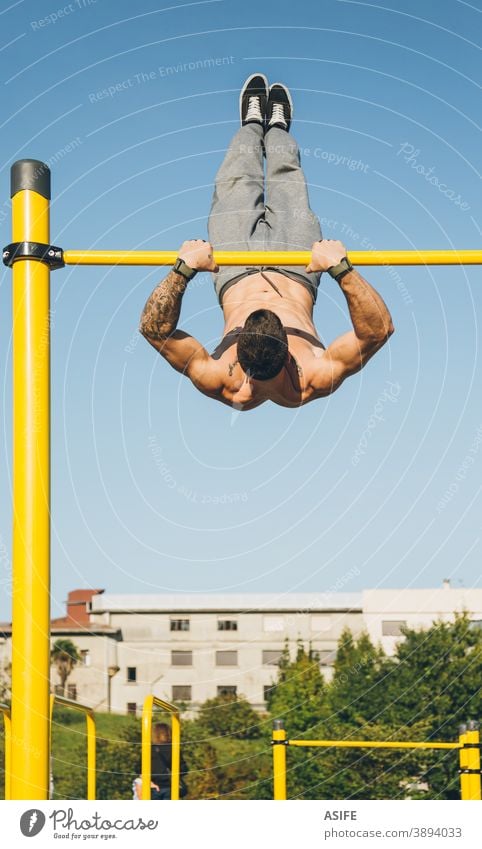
[30, 174]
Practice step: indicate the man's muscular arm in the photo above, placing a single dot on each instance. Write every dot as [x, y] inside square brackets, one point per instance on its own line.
[162, 309]
[161, 314]
[372, 322]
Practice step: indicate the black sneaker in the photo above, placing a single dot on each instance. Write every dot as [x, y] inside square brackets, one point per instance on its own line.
[280, 107]
[253, 100]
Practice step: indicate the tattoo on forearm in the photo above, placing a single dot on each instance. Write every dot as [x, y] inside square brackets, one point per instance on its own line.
[161, 312]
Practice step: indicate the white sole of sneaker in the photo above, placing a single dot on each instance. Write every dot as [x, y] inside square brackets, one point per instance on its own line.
[244, 88]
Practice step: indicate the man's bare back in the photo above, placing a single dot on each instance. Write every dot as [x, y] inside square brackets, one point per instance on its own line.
[309, 371]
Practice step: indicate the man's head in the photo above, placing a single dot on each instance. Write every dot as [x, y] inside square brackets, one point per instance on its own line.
[262, 345]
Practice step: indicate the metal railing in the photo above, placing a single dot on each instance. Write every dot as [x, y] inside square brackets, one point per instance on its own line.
[468, 745]
[7, 724]
[91, 737]
[146, 742]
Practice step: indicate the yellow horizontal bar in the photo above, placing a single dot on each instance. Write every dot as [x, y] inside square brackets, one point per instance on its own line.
[275, 258]
[373, 744]
[91, 737]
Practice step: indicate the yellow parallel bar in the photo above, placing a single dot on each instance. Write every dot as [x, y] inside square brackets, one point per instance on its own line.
[146, 742]
[463, 764]
[279, 761]
[31, 497]
[473, 762]
[281, 258]
[176, 755]
[373, 744]
[91, 738]
[7, 723]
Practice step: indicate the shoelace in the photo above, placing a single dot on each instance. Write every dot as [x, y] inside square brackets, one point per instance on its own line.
[278, 115]
[254, 109]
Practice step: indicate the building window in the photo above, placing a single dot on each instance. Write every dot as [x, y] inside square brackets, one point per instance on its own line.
[85, 657]
[181, 693]
[227, 690]
[58, 690]
[227, 625]
[226, 658]
[272, 657]
[326, 657]
[273, 623]
[181, 658]
[72, 692]
[393, 627]
[131, 674]
[131, 708]
[180, 624]
[267, 691]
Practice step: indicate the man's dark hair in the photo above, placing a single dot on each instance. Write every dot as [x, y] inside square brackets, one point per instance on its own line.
[262, 345]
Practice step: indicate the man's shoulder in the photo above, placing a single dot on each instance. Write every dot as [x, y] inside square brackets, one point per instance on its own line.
[207, 375]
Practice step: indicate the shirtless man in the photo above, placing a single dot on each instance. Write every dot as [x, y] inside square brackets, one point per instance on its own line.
[270, 350]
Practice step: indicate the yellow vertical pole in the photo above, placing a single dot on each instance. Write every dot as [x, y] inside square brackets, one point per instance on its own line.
[463, 764]
[30, 191]
[176, 755]
[146, 741]
[279, 760]
[91, 757]
[473, 759]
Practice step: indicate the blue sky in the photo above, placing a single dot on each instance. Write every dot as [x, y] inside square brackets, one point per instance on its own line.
[154, 487]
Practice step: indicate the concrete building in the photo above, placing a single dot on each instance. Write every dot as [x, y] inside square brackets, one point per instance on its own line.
[194, 647]
[188, 648]
[385, 612]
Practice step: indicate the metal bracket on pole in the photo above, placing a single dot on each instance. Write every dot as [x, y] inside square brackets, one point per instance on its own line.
[280, 742]
[49, 254]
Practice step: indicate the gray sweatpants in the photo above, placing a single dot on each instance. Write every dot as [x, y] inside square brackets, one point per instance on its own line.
[247, 216]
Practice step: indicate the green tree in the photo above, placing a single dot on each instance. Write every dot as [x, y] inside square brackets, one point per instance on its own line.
[64, 655]
[355, 695]
[245, 768]
[366, 773]
[436, 676]
[299, 698]
[231, 716]
[204, 779]
[299, 695]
